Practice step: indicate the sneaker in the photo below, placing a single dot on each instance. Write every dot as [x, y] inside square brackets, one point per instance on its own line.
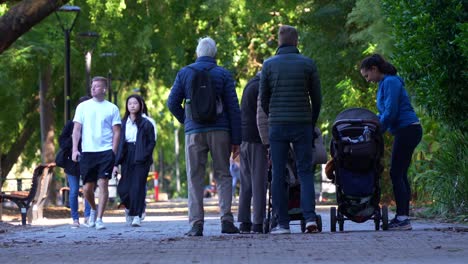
[99, 224]
[311, 227]
[196, 230]
[228, 228]
[92, 218]
[245, 228]
[76, 224]
[143, 215]
[128, 218]
[85, 222]
[136, 221]
[280, 230]
[257, 228]
[396, 224]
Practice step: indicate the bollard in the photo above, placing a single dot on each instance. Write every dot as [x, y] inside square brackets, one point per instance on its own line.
[156, 186]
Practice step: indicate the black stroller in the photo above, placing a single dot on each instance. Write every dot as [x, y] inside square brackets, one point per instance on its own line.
[294, 197]
[357, 149]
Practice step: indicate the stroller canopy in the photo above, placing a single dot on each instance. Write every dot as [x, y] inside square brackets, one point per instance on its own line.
[357, 113]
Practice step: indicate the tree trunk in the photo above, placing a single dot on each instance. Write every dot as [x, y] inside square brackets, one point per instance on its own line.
[22, 17]
[10, 157]
[47, 125]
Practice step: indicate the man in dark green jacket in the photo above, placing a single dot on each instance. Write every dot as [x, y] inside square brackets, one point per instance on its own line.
[290, 96]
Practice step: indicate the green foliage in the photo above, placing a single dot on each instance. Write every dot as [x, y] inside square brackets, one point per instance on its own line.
[430, 52]
[447, 181]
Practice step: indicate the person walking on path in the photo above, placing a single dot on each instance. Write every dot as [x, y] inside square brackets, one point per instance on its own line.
[397, 116]
[234, 169]
[220, 137]
[291, 97]
[72, 170]
[97, 124]
[253, 164]
[135, 154]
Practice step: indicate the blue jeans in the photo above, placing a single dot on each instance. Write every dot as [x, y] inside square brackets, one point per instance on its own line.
[74, 184]
[301, 136]
[406, 140]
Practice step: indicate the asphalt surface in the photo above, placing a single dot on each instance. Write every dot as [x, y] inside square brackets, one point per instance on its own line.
[161, 239]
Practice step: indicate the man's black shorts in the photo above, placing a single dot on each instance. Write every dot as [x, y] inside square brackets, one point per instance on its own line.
[96, 165]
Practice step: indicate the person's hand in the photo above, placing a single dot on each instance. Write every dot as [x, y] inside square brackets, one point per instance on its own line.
[75, 155]
[115, 171]
[235, 149]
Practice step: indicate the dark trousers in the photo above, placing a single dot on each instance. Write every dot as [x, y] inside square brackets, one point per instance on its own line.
[132, 185]
[406, 140]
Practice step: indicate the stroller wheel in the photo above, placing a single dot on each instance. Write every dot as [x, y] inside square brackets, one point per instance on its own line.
[303, 226]
[384, 217]
[319, 223]
[332, 219]
[341, 220]
[266, 227]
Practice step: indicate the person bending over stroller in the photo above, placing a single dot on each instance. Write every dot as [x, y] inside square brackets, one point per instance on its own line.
[396, 115]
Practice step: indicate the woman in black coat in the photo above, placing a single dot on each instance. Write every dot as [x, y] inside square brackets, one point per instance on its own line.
[135, 155]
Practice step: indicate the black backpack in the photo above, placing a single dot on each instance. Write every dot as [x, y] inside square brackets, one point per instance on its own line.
[203, 99]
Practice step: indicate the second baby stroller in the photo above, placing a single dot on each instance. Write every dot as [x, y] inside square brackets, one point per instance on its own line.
[294, 197]
[357, 149]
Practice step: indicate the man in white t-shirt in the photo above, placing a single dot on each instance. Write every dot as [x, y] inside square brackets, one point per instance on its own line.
[97, 123]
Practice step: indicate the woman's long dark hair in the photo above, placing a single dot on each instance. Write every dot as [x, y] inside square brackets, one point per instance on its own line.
[378, 61]
[138, 114]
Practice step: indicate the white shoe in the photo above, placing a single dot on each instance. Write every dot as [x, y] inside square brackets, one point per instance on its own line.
[92, 218]
[136, 221]
[128, 218]
[100, 225]
[280, 231]
[143, 215]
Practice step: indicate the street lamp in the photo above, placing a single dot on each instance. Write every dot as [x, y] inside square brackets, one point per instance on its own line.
[67, 24]
[109, 74]
[88, 41]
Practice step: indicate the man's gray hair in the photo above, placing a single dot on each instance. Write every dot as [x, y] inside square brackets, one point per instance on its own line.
[206, 47]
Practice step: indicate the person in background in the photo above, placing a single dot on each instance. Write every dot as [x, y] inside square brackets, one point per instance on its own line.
[146, 115]
[290, 95]
[397, 116]
[221, 138]
[135, 154]
[253, 164]
[97, 124]
[234, 169]
[72, 170]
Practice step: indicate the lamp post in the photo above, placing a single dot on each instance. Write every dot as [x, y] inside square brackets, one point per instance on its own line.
[88, 41]
[75, 10]
[109, 73]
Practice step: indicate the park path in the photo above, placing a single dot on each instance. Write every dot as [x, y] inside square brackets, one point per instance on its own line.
[161, 240]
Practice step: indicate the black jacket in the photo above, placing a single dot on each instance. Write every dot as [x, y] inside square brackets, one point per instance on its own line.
[66, 143]
[144, 144]
[249, 111]
[290, 88]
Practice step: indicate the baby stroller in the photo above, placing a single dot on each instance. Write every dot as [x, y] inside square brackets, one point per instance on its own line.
[294, 200]
[357, 149]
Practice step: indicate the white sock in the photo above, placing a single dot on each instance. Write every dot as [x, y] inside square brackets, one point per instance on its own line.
[99, 219]
[402, 217]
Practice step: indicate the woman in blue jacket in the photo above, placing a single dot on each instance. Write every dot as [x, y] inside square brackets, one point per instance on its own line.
[135, 154]
[396, 115]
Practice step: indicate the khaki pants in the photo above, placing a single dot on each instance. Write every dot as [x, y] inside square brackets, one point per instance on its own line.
[197, 146]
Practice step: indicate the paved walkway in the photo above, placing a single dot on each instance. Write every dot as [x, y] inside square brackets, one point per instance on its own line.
[161, 240]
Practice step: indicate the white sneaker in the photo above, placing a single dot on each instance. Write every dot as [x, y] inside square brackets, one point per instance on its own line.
[128, 218]
[92, 218]
[100, 225]
[280, 231]
[143, 215]
[136, 221]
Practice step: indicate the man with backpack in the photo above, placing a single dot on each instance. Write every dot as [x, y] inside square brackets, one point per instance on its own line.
[203, 98]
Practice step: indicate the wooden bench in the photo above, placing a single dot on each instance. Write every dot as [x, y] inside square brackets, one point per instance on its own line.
[36, 195]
